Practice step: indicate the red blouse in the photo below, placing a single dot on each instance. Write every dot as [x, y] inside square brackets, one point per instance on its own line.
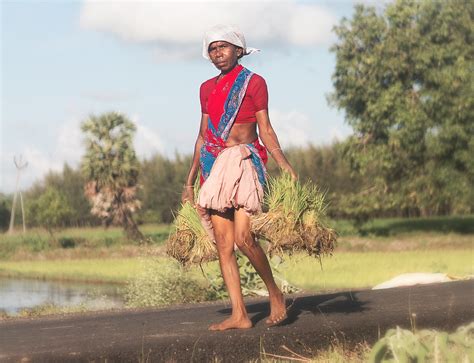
[255, 99]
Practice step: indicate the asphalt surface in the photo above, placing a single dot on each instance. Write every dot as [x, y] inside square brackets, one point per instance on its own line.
[180, 334]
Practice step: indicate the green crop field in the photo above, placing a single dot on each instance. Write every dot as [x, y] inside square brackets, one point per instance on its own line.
[343, 270]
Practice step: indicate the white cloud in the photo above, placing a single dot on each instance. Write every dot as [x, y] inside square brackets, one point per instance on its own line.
[69, 146]
[176, 28]
[38, 165]
[147, 143]
[337, 134]
[292, 128]
[41, 160]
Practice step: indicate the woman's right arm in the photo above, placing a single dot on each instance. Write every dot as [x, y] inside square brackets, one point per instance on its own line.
[188, 191]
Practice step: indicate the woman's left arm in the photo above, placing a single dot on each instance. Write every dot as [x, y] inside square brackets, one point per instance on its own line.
[270, 140]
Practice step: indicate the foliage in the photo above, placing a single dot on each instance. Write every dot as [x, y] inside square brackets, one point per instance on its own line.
[159, 285]
[251, 283]
[404, 80]
[111, 170]
[50, 209]
[162, 182]
[69, 183]
[87, 242]
[4, 214]
[400, 345]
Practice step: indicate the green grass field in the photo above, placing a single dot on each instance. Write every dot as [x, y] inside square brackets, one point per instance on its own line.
[366, 269]
[387, 248]
[343, 270]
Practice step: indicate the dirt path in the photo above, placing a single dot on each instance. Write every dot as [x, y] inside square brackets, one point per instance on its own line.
[180, 333]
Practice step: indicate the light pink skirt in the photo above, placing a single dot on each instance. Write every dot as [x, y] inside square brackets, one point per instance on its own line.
[232, 183]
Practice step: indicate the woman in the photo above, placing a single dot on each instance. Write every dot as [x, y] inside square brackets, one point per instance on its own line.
[231, 159]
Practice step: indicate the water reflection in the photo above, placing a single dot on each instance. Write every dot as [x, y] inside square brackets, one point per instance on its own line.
[17, 294]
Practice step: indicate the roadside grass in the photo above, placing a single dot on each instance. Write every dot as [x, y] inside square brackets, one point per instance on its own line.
[49, 309]
[398, 345]
[336, 352]
[341, 271]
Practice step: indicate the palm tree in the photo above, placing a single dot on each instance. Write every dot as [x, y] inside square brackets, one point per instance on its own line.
[111, 170]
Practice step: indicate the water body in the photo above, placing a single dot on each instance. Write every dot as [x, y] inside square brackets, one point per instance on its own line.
[17, 294]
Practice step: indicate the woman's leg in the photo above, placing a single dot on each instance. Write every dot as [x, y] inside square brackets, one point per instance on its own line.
[247, 244]
[223, 225]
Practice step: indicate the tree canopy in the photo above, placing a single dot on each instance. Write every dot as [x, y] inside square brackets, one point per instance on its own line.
[50, 210]
[404, 79]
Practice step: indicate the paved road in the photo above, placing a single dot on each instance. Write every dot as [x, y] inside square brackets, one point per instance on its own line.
[180, 333]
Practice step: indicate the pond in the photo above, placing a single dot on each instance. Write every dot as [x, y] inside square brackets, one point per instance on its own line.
[17, 294]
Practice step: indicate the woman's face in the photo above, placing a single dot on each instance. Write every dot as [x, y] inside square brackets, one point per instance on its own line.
[224, 55]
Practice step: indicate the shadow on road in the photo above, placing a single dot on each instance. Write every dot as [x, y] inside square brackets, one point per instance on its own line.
[345, 302]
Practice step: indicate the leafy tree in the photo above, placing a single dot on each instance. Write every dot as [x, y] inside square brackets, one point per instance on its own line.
[70, 182]
[162, 182]
[111, 170]
[404, 79]
[5, 207]
[50, 210]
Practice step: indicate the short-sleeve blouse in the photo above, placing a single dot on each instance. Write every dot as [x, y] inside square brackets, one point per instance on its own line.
[255, 99]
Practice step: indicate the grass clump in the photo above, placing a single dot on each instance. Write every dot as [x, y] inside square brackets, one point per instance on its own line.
[294, 221]
[398, 345]
[51, 309]
[189, 243]
[160, 285]
[401, 345]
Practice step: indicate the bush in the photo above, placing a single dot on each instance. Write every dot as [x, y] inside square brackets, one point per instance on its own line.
[4, 216]
[160, 285]
[400, 345]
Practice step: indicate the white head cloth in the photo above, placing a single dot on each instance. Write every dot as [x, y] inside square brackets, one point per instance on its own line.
[226, 33]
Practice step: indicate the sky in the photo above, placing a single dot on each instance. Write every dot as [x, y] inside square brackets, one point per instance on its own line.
[62, 61]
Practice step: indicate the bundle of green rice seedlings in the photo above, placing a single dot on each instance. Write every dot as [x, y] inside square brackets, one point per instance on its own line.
[189, 243]
[295, 218]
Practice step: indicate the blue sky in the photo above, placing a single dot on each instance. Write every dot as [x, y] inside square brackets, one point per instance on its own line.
[64, 60]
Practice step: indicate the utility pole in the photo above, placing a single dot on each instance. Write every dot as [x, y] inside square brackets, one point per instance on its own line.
[20, 165]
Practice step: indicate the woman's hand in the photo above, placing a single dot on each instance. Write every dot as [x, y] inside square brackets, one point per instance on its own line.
[288, 169]
[293, 174]
[188, 194]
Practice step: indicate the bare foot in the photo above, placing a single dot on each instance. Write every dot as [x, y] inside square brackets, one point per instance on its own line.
[278, 309]
[232, 323]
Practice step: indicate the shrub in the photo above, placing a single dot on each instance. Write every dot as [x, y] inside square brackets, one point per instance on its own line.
[160, 285]
[400, 345]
